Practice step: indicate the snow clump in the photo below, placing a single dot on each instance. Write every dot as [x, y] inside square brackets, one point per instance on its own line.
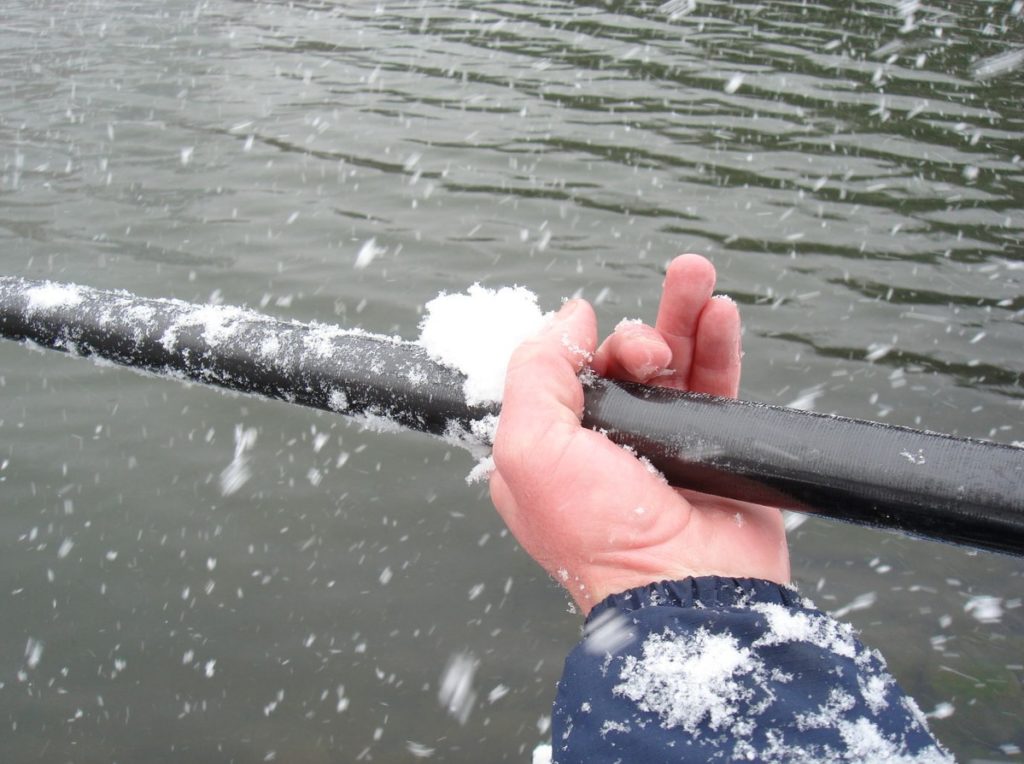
[477, 332]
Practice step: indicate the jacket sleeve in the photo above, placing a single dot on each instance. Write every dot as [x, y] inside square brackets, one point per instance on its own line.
[726, 669]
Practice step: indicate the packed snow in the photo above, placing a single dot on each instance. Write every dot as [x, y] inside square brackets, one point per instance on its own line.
[50, 295]
[477, 332]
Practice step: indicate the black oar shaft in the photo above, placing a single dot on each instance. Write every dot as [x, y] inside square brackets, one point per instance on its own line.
[318, 365]
[938, 486]
[954, 489]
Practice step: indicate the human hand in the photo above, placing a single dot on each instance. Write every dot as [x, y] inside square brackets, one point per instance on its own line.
[594, 516]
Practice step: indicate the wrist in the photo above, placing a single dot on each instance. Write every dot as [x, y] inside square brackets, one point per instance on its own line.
[590, 586]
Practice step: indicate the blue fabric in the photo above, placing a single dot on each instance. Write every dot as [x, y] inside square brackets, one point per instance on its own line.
[726, 669]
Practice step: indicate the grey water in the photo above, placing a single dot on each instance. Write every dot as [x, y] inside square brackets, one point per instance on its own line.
[853, 169]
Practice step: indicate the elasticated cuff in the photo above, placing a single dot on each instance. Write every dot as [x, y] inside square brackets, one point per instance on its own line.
[701, 592]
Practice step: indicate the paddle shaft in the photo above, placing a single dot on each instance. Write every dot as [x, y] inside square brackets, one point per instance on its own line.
[937, 486]
[926, 484]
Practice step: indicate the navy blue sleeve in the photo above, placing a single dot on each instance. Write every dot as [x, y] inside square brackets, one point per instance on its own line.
[726, 669]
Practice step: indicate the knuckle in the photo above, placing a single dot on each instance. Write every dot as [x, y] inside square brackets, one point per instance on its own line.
[510, 453]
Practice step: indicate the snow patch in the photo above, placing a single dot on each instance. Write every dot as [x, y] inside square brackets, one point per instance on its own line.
[481, 471]
[49, 296]
[874, 690]
[687, 678]
[477, 332]
[785, 625]
[217, 323]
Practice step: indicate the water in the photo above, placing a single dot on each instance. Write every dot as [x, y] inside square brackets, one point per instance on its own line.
[854, 172]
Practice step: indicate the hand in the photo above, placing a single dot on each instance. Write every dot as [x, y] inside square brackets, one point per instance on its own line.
[588, 511]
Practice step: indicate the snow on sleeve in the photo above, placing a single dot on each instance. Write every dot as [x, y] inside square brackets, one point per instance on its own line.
[861, 742]
[830, 714]
[873, 689]
[732, 678]
[785, 625]
[725, 695]
[865, 742]
[476, 333]
[688, 678]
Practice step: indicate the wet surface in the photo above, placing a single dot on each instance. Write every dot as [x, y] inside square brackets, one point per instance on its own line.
[854, 172]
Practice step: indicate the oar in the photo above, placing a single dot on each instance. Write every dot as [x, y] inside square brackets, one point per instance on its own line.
[926, 484]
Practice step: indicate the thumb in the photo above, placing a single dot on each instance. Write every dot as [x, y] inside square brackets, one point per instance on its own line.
[542, 391]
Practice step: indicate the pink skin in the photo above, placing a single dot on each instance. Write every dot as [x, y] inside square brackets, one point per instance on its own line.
[589, 512]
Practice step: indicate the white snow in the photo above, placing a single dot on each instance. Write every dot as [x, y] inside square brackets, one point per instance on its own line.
[1001, 63]
[793, 520]
[237, 473]
[65, 548]
[367, 253]
[217, 322]
[838, 705]
[785, 625]
[270, 347]
[942, 711]
[609, 633]
[807, 398]
[860, 602]
[456, 692]
[874, 691]
[418, 750]
[374, 419]
[33, 652]
[734, 83]
[481, 471]
[342, 700]
[477, 332]
[676, 9]
[49, 296]
[685, 679]
[338, 401]
[320, 341]
[610, 726]
[985, 608]
[702, 681]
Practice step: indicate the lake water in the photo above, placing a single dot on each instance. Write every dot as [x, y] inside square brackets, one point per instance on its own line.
[853, 169]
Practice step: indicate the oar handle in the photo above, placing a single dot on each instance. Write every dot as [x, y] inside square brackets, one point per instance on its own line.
[923, 483]
[937, 486]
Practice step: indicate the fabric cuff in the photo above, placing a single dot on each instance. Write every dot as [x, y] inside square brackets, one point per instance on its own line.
[701, 592]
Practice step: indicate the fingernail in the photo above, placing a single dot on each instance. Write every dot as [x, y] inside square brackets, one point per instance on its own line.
[568, 308]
